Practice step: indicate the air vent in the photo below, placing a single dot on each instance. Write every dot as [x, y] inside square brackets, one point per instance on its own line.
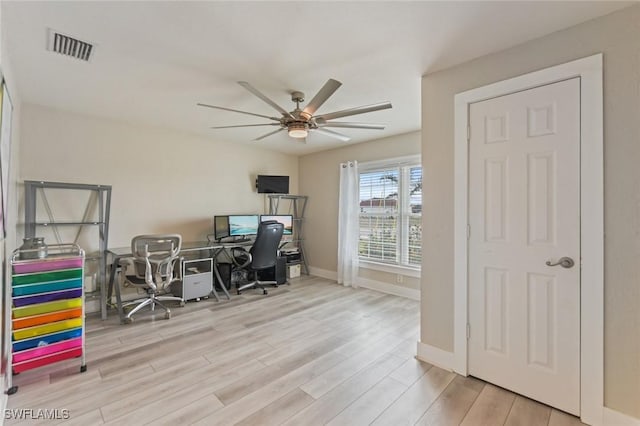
[69, 46]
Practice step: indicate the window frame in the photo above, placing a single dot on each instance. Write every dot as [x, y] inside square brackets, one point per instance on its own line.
[404, 166]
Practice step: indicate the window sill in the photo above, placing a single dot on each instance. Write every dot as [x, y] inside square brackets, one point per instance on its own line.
[393, 269]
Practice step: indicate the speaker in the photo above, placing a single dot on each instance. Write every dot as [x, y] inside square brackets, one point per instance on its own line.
[225, 273]
[277, 274]
[281, 270]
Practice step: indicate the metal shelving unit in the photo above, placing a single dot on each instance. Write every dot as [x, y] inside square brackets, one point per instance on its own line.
[103, 195]
[298, 204]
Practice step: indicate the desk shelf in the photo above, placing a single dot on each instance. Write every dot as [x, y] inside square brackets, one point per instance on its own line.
[298, 205]
[47, 315]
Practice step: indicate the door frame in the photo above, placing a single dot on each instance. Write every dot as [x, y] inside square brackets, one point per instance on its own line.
[589, 70]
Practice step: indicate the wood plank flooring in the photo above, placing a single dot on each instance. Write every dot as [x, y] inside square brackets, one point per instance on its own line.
[312, 353]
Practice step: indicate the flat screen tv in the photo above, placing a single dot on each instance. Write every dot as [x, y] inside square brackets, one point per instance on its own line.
[220, 227]
[285, 219]
[269, 184]
[241, 225]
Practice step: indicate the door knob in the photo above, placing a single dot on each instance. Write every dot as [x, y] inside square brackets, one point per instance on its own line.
[565, 262]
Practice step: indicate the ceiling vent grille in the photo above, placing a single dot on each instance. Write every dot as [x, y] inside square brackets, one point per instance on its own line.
[69, 46]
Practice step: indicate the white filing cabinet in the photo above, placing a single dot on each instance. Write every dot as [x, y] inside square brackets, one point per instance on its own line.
[197, 279]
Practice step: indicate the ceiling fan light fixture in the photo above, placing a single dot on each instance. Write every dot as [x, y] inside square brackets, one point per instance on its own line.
[298, 130]
[299, 122]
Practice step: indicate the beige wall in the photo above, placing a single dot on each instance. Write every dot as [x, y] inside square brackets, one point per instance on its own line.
[320, 179]
[163, 181]
[618, 37]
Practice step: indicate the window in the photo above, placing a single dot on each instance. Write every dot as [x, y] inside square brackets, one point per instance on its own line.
[391, 214]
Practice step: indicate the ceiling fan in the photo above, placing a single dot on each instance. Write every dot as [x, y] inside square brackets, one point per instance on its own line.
[299, 122]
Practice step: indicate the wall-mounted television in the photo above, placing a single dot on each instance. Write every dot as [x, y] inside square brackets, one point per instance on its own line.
[270, 184]
[285, 219]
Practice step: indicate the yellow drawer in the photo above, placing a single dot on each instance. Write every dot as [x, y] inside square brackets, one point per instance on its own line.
[43, 308]
[39, 330]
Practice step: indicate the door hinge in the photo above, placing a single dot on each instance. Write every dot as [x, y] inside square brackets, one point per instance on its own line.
[468, 132]
[468, 231]
[468, 331]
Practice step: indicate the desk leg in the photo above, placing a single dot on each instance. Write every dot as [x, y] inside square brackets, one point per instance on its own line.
[112, 276]
[103, 298]
[215, 293]
[219, 279]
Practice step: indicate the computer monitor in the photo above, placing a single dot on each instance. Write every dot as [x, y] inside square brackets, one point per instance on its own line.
[240, 225]
[285, 219]
[220, 227]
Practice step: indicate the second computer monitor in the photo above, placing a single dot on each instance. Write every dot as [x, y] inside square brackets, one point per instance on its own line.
[240, 225]
[221, 227]
[285, 219]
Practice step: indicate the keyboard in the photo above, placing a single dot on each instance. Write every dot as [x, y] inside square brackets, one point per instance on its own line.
[239, 240]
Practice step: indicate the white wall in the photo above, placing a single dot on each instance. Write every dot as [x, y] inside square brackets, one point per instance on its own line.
[320, 179]
[9, 243]
[162, 181]
[618, 37]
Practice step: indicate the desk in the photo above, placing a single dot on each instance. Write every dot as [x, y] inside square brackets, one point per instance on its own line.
[121, 253]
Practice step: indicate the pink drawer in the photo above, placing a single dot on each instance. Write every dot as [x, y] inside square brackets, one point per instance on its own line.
[19, 367]
[51, 264]
[47, 350]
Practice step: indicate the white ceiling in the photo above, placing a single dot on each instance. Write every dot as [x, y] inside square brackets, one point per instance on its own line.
[155, 60]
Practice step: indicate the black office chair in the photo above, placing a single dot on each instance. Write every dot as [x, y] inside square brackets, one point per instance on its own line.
[262, 255]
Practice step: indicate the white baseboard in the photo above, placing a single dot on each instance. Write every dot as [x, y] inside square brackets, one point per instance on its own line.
[616, 418]
[380, 286]
[435, 356]
[388, 288]
[323, 273]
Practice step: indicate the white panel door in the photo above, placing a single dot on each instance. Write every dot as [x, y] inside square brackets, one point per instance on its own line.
[524, 210]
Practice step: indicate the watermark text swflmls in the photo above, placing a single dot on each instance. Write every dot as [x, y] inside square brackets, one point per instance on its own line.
[36, 414]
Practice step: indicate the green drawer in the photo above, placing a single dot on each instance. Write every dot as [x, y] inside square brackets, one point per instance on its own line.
[40, 277]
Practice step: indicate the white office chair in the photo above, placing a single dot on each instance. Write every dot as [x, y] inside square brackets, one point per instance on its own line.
[154, 259]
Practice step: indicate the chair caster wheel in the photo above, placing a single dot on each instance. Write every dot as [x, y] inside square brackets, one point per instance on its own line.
[12, 390]
[83, 368]
[238, 292]
[127, 320]
[167, 315]
[264, 292]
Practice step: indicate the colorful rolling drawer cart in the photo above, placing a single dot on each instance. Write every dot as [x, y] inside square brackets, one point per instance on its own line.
[47, 309]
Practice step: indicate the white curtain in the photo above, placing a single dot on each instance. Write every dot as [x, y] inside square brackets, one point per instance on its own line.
[348, 224]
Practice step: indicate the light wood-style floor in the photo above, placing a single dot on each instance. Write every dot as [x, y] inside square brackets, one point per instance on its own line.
[311, 353]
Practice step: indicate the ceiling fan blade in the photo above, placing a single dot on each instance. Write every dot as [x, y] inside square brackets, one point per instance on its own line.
[245, 125]
[354, 111]
[241, 112]
[265, 99]
[323, 94]
[343, 138]
[269, 134]
[351, 125]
